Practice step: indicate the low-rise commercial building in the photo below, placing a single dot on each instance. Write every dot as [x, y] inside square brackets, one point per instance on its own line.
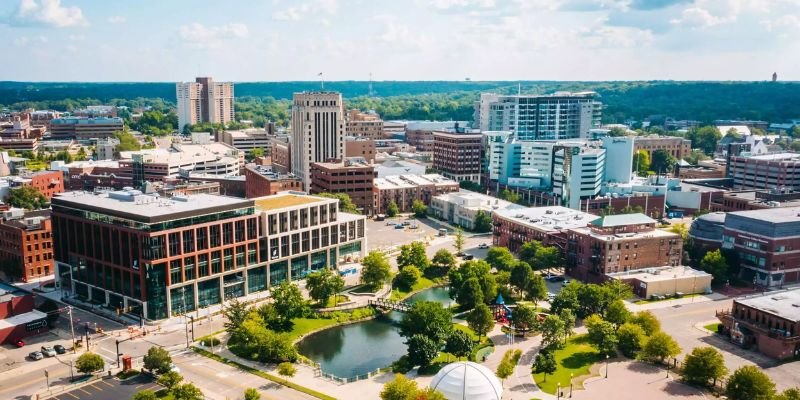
[159, 257]
[181, 159]
[247, 140]
[768, 171]
[364, 124]
[676, 146]
[85, 128]
[281, 155]
[461, 208]
[48, 183]
[548, 225]
[403, 190]
[744, 200]
[620, 243]
[18, 319]
[770, 323]
[353, 176]
[89, 175]
[363, 147]
[26, 244]
[665, 281]
[263, 181]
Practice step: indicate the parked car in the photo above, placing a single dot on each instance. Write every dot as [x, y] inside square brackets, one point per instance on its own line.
[565, 282]
[19, 343]
[406, 223]
[483, 246]
[468, 256]
[399, 226]
[174, 368]
[35, 355]
[60, 349]
[556, 278]
[551, 296]
[388, 223]
[48, 351]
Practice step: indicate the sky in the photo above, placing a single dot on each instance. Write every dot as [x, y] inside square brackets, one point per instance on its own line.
[279, 40]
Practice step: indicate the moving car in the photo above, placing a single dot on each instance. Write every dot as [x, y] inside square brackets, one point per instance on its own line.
[483, 246]
[35, 355]
[48, 351]
[60, 349]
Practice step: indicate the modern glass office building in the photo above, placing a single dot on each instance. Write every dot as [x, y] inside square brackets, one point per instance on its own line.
[159, 257]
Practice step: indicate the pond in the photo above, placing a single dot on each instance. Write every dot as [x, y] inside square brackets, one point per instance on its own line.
[356, 349]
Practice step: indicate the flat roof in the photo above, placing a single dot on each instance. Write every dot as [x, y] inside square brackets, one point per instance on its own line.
[21, 319]
[772, 215]
[622, 220]
[783, 304]
[548, 219]
[284, 200]
[661, 274]
[149, 208]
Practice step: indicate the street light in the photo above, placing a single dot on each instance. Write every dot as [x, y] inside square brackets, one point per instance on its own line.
[558, 391]
[606, 366]
[571, 375]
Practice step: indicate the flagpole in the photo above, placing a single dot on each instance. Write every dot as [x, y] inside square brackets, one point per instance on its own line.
[321, 81]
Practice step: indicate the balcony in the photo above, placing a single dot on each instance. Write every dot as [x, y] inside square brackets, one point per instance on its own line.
[727, 316]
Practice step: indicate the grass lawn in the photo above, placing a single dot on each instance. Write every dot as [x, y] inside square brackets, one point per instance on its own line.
[304, 325]
[574, 358]
[401, 293]
[712, 327]
[333, 302]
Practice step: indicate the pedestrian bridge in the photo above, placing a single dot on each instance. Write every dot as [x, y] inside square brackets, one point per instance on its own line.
[390, 305]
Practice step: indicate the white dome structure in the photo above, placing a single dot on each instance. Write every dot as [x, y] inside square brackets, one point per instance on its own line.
[465, 380]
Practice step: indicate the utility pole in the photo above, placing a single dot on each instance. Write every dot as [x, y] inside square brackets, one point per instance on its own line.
[192, 319]
[71, 328]
[47, 377]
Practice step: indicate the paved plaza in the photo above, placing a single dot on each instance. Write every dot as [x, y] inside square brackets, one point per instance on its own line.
[634, 380]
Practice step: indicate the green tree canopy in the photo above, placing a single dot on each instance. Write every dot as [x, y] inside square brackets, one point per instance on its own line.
[459, 344]
[478, 269]
[27, 197]
[631, 338]
[323, 284]
[482, 222]
[520, 276]
[144, 395]
[252, 394]
[419, 208]
[704, 365]
[553, 331]
[345, 202]
[662, 162]
[286, 369]
[602, 334]
[187, 391]
[407, 277]
[427, 318]
[704, 138]
[500, 258]
[715, 264]
[536, 289]
[749, 383]
[392, 209]
[89, 362]
[641, 162]
[170, 380]
[470, 294]
[443, 259]
[414, 254]
[376, 270]
[288, 301]
[422, 349]
[547, 257]
[157, 359]
[659, 347]
[647, 321]
[480, 319]
[617, 313]
[236, 313]
[527, 252]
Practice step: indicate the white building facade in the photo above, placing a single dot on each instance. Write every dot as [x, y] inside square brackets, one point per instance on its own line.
[318, 131]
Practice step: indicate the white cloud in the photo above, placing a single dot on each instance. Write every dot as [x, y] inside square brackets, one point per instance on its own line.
[47, 13]
[25, 40]
[696, 17]
[448, 4]
[784, 23]
[401, 36]
[303, 11]
[76, 38]
[200, 36]
[617, 37]
[116, 19]
[292, 13]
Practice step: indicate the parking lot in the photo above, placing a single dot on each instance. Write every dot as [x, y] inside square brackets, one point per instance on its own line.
[383, 234]
[110, 389]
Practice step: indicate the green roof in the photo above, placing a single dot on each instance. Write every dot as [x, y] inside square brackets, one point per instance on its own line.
[622, 219]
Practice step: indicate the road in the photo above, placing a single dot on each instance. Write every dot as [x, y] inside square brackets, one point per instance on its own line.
[681, 323]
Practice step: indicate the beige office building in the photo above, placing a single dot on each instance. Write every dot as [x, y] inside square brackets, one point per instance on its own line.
[318, 126]
[204, 101]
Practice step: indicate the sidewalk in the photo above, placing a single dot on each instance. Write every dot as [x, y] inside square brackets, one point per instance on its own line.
[520, 384]
[676, 302]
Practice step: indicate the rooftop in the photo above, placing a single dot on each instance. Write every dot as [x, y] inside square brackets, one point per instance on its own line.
[772, 215]
[149, 208]
[85, 120]
[183, 154]
[548, 219]
[622, 219]
[786, 156]
[660, 274]
[782, 304]
[478, 201]
[21, 319]
[286, 199]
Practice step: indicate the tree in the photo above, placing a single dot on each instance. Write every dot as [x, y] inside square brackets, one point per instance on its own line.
[323, 284]
[252, 394]
[144, 395]
[482, 222]
[659, 347]
[419, 208]
[459, 344]
[478, 269]
[536, 290]
[474, 187]
[567, 298]
[376, 270]
[27, 197]
[187, 391]
[407, 277]
[256, 153]
[413, 254]
[641, 162]
[345, 202]
[170, 380]
[568, 317]
[259, 343]
[647, 321]
[286, 370]
[703, 365]
[617, 132]
[733, 134]
[525, 317]
[704, 138]
[422, 350]
[715, 264]
[458, 243]
[510, 196]
[527, 252]
[545, 364]
[789, 394]
[553, 331]
[681, 229]
[520, 276]
[400, 388]
[127, 142]
[617, 313]
[695, 156]
[480, 319]
[602, 334]
[236, 313]
[470, 294]
[392, 210]
[157, 359]
[547, 257]
[630, 339]
[500, 258]
[89, 362]
[427, 318]
[288, 301]
[504, 369]
[662, 162]
[749, 383]
[443, 259]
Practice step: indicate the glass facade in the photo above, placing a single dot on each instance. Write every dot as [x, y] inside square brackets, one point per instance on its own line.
[182, 299]
[256, 279]
[278, 272]
[299, 268]
[319, 260]
[208, 292]
[156, 281]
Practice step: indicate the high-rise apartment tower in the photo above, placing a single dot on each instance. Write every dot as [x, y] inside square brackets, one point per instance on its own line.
[204, 101]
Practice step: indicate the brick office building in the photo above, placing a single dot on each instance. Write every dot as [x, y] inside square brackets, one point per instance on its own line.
[359, 147]
[48, 183]
[144, 254]
[458, 155]
[403, 190]
[26, 244]
[676, 146]
[620, 243]
[353, 177]
[547, 225]
[770, 323]
[263, 181]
